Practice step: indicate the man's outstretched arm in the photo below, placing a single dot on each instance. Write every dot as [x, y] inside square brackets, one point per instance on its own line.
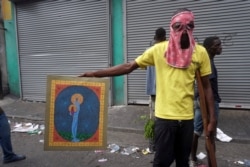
[121, 69]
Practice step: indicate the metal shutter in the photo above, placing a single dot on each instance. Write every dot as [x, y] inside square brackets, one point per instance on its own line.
[62, 38]
[226, 19]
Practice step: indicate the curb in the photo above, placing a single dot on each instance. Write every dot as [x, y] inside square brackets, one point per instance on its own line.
[130, 130]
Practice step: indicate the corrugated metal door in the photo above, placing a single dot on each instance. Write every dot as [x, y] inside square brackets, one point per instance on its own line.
[62, 38]
[226, 19]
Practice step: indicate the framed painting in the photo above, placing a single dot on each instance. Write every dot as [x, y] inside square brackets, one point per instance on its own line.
[76, 113]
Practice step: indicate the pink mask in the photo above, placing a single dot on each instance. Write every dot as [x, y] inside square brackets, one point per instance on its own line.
[175, 55]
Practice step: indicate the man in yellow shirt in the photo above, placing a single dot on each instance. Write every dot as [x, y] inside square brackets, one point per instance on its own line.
[176, 62]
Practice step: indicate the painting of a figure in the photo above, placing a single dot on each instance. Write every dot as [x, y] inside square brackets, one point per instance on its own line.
[76, 113]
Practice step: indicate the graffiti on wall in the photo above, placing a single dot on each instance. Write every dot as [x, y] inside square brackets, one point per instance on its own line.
[226, 38]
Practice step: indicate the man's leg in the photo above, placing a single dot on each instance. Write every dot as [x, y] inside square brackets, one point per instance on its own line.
[5, 139]
[194, 147]
[165, 131]
[183, 143]
[198, 129]
[152, 113]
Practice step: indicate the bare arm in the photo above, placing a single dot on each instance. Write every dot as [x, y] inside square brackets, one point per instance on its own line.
[121, 69]
[210, 103]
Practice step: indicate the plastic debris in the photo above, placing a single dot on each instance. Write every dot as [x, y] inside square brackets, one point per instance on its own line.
[220, 135]
[41, 127]
[28, 124]
[201, 155]
[28, 128]
[114, 148]
[239, 162]
[33, 132]
[247, 162]
[17, 125]
[98, 151]
[129, 150]
[102, 160]
[135, 156]
[146, 151]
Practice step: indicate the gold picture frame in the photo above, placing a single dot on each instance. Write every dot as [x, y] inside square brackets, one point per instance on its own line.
[76, 113]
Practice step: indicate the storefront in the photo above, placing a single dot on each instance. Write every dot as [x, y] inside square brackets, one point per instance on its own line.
[69, 37]
[225, 19]
[60, 38]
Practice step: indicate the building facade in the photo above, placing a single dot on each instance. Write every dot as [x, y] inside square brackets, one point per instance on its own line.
[69, 37]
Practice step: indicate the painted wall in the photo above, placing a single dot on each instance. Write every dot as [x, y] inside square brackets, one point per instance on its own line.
[11, 47]
[117, 50]
[3, 72]
[12, 59]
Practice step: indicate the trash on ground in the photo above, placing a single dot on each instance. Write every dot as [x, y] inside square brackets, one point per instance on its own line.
[239, 162]
[36, 131]
[42, 127]
[17, 125]
[21, 127]
[220, 135]
[129, 150]
[247, 162]
[114, 148]
[146, 151]
[28, 124]
[41, 141]
[102, 160]
[201, 155]
[28, 128]
[99, 151]
[135, 156]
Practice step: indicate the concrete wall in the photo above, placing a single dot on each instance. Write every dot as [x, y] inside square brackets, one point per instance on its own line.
[3, 68]
[11, 52]
[117, 51]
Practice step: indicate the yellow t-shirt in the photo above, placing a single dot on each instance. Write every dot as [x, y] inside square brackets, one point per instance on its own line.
[174, 86]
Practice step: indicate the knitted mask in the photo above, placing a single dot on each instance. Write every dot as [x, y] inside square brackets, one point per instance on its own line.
[175, 55]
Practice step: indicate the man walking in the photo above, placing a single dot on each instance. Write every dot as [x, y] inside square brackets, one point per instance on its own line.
[213, 47]
[176, 62]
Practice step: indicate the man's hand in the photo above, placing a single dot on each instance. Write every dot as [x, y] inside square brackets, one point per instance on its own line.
[87, 74]
[211, 128]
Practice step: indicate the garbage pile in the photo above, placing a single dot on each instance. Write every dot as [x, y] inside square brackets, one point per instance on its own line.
[133, 151]
[29, 128]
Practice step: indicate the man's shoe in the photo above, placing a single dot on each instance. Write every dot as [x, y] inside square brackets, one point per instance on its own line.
[14, 159]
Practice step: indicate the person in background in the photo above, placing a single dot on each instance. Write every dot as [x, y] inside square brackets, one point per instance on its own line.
[213, 47]
[176, 62]
[5, 141]
[160, 36]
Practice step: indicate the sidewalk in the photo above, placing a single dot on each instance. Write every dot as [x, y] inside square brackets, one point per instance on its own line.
[234, 123]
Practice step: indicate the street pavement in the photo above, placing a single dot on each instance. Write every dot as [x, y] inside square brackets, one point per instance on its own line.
[125, 129]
